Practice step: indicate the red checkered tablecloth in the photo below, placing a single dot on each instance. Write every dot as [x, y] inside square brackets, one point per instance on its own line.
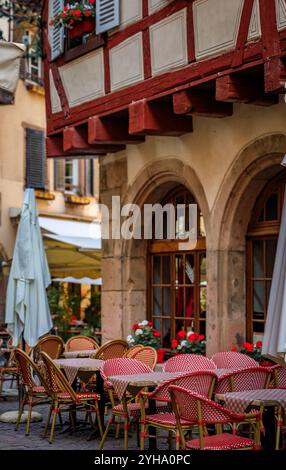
[73, 366]
[240, 401]
[121, 382]
[82, 353]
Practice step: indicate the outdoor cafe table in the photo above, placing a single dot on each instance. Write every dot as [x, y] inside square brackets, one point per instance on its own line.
[82, 353]
[268, 398]
[149, 380]
[72, 367]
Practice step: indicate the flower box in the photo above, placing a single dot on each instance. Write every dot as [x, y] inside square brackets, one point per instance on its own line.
[82, 27]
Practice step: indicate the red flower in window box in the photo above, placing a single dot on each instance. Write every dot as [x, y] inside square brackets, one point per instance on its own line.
[86, 26]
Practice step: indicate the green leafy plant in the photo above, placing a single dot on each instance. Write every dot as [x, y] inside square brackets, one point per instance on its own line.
[145, 334]
[189, 343]
[74, 13]
[251, 349]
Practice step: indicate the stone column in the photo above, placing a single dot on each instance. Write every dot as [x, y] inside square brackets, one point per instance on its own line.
[113, 182]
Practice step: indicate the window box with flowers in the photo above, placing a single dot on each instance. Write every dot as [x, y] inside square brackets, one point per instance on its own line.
[253, 350]
[189, 343]
[77, 17]
[146, 335]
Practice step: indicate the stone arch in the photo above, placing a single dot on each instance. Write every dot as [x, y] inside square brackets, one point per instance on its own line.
[255, 165]
[150, 186]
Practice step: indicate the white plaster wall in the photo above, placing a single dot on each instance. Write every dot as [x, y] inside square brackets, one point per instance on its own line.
[216, 24]
[154, 5]
[213, 146]
[130, 12]
[168, 42]
[126, 62]
[83, 78]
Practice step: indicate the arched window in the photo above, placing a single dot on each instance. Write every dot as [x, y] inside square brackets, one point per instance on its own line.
[262, 236]
[177, 279]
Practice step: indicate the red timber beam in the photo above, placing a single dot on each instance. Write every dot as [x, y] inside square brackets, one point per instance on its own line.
[73, 143]
[235, 88]
[109, 130]
[157, 118]
[200, 103]
[275, 75]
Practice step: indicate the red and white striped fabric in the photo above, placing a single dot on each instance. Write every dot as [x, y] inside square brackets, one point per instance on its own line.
[189, 363]
[223, 441]
[247, 379]
[233, 360]
[72, 366]
[280, 376]
[238, 402]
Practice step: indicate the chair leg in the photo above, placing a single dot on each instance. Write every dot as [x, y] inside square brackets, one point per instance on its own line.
[99, 423]
[20, 414]
[48, 421]
[126, 428]
[279, 423]
[178, 440]
[170, 440]
[117, 429]
[142, 436]
[29, 417]
[55, 412]
[102, 442]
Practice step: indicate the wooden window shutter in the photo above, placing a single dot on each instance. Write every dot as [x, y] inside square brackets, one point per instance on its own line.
[59, 175]
[35, 159]
[107, 15]
[56, 33]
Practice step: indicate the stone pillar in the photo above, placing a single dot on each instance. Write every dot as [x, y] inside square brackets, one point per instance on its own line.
[113, 182]
[226, 319]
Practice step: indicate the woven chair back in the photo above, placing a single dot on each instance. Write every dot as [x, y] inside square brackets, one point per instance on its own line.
[112, 349]
[233, 360]
[81, 343]
[51, 345]
[189, 363]
[147, 355]
[254, 378]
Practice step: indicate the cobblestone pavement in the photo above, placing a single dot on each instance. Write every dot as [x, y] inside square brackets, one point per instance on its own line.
[10, 439]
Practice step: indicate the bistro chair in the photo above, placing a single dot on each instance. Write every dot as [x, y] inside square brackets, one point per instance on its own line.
[8, 371]
[233, 360]
[33, 393]
[130, 352]
[200, 411]
[253, 378]
[147, 355]
[124, 410]
[279, 373]
[81, 343]
[112, 349]
[189, 363]
[63, 397]
[201, 382]
[51, 345]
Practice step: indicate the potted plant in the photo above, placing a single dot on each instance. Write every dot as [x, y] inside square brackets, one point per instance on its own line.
[145, 334]
[253, 350]
[78, 17]
[189, 343]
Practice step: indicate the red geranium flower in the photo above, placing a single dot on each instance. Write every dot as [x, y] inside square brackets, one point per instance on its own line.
[182, 334]
[51, 22]
[156, 333]
[66, 8]
[248, 346]
[135, 326]
[77, 12]
[192, 337]
[174, 343]
[87, 13]
[92, 1]
[259, 344]
[201, 337]
[150, 323]
[234, 349]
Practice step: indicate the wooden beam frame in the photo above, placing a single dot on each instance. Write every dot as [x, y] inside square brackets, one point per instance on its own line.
[157, 118]
[110, 130]
[275, 75]
[235, 88]
[200, 103]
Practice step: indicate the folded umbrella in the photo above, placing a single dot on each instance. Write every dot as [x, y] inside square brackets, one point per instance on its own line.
[27, 308]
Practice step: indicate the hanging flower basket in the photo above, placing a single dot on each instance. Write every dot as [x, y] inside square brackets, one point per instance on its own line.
[82, 27]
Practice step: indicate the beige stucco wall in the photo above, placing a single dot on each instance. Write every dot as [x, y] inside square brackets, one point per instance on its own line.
[213, 145]
[28, 111]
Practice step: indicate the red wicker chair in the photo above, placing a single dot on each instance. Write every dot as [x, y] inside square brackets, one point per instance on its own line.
[81, 343]
[63, 395]
[8, 371]
[279, 376]
[147, 355]
[253, 378]
[201, 382]
[233, 360]
[124, 410]
[33, 393]
[198, 410]
[189, 363]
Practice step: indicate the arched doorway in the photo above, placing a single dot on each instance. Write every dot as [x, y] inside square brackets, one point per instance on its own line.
[176, 280]
[262, 236]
